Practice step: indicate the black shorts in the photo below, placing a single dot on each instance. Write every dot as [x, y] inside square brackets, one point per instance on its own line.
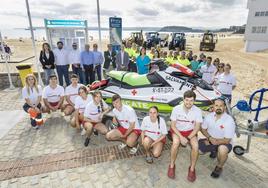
[211, 148]
[26, 107]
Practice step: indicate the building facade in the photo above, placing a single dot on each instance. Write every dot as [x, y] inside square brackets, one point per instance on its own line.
[256, 34]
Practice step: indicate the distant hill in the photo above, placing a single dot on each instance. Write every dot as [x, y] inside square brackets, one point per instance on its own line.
[179, 29]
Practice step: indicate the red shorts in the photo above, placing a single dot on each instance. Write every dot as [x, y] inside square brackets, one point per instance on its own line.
[164, 140]
[93, 124]
[53, 103]
[183, 133]
[123, 131]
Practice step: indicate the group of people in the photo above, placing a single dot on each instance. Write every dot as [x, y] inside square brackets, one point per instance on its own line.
[88, 109]
[89, 64]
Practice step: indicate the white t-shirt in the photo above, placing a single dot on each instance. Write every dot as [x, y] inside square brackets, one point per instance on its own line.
[154, 130]
[93, 111]
[186, 121]
[216, 79]
[80, 104]
[53, 95]
[226, 83]
[126, 116]
[208, 73]
[33, 95]
[72, 92]
[222, 128]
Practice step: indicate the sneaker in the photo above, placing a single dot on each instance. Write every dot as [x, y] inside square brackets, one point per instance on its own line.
[134, 150]
[87, 142]
[213, 155]
[191, 175]
[122, 146]
[83, 132]
[217, 172]
[36, 127]
[149, 159]
[171, 172]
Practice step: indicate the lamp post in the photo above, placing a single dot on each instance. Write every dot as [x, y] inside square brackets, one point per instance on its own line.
[33, 43]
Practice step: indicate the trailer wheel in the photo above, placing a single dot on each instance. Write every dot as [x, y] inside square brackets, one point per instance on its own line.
[239, 150]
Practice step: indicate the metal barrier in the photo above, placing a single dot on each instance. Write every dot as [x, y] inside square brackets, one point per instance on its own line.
[259, 108]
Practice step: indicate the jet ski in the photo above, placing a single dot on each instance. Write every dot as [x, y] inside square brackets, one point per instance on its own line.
[163, 88]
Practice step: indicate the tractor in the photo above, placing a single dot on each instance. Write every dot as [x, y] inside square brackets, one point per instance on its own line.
[208, 41]
[178, 40]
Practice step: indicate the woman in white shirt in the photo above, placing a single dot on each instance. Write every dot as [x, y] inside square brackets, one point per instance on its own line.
[32, 93]
[220, 70]
[93, 116]
[80, 105]
[153, 136]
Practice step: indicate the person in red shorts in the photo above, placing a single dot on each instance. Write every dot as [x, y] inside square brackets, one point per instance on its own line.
[80, 105]
[53, 95]
[153, 135]
[128, 129]
[186, 120]
[93, 114]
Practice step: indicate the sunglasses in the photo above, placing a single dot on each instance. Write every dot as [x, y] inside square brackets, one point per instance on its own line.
[221, 66]
[99, 110]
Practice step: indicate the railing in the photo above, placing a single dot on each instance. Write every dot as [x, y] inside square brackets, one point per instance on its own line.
[259, 106]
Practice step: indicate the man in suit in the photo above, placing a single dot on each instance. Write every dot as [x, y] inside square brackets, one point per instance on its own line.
[122, 60]
[109, 58]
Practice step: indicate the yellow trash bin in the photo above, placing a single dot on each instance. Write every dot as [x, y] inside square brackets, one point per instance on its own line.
[24, 69]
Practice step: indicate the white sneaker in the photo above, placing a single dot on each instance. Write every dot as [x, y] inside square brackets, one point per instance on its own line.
[83, 132]
[122, 146]
[134, 150]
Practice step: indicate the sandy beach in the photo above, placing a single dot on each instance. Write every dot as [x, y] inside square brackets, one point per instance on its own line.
[250, 69]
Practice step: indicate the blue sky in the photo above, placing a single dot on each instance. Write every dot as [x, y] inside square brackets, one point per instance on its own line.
[192, 13]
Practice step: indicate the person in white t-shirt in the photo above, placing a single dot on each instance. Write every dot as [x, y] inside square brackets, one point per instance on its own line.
[220, 70]
[186, 120]
[128, 128]
[71, 93]
[93, 115]
[80, 105]
[153, 135]
[208, 71]
[219, 130]
[32, 93]
[53, 95]
[226, 83]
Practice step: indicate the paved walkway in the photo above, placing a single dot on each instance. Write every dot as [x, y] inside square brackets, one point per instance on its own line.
[54, 156]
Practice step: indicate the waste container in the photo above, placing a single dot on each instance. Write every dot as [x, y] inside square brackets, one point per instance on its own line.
[24, 69]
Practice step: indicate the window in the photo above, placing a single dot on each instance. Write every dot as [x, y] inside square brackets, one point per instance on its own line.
[257, 13]
[264, 29]
[259, 29]
[254, 29]
[266, 13]
[262, 13]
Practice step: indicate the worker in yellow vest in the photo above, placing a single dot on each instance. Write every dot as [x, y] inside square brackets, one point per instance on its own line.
[128, 48]
[183, 60]
[169, 58]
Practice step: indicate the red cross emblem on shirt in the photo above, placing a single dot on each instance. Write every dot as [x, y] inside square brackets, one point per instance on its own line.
[134, 92]
[222, 127]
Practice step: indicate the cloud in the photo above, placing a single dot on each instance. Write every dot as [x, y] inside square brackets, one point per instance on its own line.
[179, 8]
[107, 12]
[143, 11]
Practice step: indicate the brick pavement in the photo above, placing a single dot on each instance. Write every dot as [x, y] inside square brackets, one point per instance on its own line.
[37, 159]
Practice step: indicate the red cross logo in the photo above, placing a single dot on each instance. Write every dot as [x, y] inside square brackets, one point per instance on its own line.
[152, 98]
[222, 127]
[134, 92]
